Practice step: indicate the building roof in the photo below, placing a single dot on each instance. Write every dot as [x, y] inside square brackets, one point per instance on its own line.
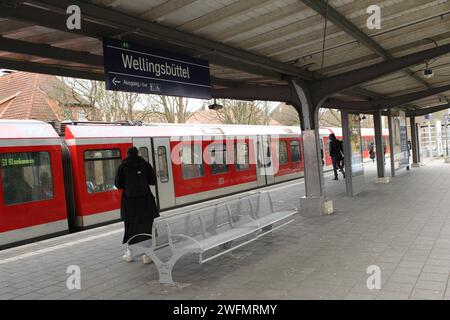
[25, 95]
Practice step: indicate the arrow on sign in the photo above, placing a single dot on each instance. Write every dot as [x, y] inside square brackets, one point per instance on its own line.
[115, 81]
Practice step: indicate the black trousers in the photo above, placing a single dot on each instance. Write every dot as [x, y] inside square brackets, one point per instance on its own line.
[337, 164]
[132, 229]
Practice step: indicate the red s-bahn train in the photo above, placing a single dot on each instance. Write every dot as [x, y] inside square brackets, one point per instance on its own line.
[52, 184]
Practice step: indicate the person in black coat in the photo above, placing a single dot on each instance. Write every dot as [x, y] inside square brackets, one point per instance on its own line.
[336, 151]
[372, 151]
[138, 208]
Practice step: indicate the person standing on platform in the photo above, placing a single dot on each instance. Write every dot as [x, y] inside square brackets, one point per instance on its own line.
[372, 151]
[336, 151]
[138, 208]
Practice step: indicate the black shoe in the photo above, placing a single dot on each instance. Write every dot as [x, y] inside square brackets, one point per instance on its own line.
[343, 174]
[335, 178]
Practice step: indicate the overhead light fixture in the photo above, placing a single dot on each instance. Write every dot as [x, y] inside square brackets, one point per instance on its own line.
[427, 72]
[215, 106]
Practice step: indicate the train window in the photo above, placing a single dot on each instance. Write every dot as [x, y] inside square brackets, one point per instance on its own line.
[218, 158]
[143, 152]
[101, 167]
[192, 161]
[163, 170]
[295, 150]
[26, 177]
[241, 154]
[282, 152]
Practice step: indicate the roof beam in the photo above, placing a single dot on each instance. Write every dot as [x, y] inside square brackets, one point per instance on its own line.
[135, 25]
[76, 73]
[339, 20]
[424, 111]
[323, 88]
[47, 51]
[50, 69]
[343, 23]
[388, 102]
[90, 29]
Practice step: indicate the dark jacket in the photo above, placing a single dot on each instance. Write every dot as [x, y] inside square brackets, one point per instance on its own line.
[141, 209]
[336, 149]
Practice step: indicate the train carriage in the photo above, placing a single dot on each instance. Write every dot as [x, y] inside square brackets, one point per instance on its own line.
[32, 192]
[66, 184]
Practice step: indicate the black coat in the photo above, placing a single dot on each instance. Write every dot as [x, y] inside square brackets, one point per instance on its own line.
[142, 209]
[336, 149]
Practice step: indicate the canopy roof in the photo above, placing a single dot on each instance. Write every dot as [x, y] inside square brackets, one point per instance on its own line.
[248, 42]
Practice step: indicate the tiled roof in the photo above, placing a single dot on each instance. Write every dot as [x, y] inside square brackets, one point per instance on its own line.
[25, 95]
[29, 103]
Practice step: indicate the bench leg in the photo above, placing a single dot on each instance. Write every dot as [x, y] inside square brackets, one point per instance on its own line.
[164, 268]
[165, 273]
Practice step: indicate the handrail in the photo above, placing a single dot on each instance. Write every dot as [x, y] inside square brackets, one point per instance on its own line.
[139, 234]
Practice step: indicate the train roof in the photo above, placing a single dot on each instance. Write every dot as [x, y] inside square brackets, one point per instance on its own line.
[26, 129]
[171, 130]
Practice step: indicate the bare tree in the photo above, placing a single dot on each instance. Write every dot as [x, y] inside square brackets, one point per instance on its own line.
[329, 117]
[286, 115]
[244, 112]
[111, 105]
[168, 109]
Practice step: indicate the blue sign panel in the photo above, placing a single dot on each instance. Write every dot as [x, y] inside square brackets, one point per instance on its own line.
[133, 68]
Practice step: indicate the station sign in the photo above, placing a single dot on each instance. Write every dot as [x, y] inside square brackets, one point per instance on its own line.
[133, 68]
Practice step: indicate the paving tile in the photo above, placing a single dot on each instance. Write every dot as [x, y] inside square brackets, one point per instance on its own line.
[312, 258]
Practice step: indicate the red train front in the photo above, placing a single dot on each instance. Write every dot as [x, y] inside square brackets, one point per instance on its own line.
[32, 192]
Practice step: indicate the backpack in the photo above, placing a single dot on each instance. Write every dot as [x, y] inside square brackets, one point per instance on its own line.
[136, 183]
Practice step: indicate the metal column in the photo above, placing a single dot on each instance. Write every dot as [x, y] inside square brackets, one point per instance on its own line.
[414, 142]
[378, 128]
[314, 203]
[391, 145]
[416, 127]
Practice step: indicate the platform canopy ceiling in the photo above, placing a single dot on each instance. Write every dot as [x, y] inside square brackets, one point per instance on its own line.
[248, 42]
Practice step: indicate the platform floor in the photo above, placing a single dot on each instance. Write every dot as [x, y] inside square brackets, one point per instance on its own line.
[402, 227]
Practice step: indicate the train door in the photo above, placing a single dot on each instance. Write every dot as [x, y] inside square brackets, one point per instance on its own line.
[163, 169]
[260, 177]
[264, 161]
[144, 146]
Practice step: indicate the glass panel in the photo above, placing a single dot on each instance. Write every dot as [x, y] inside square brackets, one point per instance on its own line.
[283, 155]
[218, 158]
[143, 152]
[101, 154]
[101, 167]
[191, 161]
[26, 176]
[295, 150]
[242, 156]
[163, 172]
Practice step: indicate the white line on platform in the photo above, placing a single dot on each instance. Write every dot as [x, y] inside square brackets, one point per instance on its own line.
[59, 246]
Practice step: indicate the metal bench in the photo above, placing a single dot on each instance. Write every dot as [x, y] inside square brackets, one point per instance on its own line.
[212, 231]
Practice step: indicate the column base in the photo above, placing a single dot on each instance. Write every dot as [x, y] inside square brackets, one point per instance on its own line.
[315, 206]
[415, 165]
[382, 180]
[447, 159]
